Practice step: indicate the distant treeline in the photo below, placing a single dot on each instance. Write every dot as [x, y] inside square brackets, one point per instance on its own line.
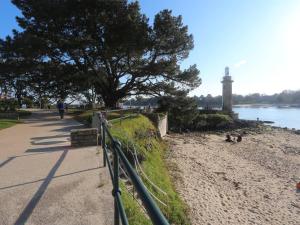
[285, 97]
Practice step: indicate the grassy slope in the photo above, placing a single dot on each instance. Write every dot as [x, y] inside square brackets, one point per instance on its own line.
[142, 133]
[85, 116]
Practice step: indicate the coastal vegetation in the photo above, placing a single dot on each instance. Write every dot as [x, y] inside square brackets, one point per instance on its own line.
[138, 133]
[103, 51]
[184, 114]
[287, 97]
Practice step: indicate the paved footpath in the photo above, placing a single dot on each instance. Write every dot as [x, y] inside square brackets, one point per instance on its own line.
[45, 181]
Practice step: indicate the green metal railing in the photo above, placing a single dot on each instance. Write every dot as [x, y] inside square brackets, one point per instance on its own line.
[119, 157]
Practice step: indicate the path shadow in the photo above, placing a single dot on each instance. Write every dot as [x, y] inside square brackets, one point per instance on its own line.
[50, 149]
[68, 128]
[7, 161]
[64, 122]
[23, 217]
[48, 142]
[63, 175]
[39, 116]
[49, 137]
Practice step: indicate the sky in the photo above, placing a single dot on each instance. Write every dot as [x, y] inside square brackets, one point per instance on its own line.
[258, 39]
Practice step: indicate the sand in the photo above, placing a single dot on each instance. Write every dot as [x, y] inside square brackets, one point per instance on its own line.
[251, 182]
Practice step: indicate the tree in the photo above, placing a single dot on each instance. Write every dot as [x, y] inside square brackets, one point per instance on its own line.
[110, 43]
[181, 108]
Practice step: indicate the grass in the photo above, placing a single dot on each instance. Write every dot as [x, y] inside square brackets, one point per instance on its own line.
[82, 116]
[133, 211]
[5, 123]
[85, 116]
[140, 131]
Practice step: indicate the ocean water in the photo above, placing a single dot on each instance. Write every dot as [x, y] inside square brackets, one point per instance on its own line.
[282, 117]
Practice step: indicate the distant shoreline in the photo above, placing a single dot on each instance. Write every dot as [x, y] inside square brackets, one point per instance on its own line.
[260, 105]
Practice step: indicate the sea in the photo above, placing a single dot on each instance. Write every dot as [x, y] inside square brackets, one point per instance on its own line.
[281, 116]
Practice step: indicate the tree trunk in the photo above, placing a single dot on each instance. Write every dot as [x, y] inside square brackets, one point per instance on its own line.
[111, 101]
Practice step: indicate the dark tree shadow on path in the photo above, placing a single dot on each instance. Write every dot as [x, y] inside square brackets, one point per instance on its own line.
[23, 217]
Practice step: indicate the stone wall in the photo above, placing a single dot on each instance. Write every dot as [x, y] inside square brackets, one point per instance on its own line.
[96, 120]
[84, 137]
[160, 121]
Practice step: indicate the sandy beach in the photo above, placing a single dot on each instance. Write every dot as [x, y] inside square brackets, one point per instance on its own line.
[250, 182]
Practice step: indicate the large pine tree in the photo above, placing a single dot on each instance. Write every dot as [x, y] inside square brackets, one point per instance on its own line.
[108, 46]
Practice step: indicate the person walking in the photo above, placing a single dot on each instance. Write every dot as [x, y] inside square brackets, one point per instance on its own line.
[61, 108]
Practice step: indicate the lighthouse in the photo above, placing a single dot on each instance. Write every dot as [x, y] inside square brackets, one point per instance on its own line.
[227, 92]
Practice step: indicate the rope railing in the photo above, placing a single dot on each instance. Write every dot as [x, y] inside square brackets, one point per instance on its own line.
[145, 176]
[153, 211]
[139, 168]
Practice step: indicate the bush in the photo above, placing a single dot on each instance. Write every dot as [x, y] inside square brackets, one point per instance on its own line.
[181, 109]
[28, 102]
[211, 121]
[8, 105]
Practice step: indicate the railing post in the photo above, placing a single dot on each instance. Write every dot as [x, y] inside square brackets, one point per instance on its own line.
[116, 188]
[103, 143]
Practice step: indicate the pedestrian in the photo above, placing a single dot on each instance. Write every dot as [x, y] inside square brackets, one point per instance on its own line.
[61, 108]
[239, 138]
[228, 138]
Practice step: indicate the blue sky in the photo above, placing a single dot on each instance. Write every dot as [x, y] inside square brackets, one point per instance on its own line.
[258, 39]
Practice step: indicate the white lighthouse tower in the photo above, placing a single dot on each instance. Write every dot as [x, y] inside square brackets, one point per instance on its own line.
[227, 92]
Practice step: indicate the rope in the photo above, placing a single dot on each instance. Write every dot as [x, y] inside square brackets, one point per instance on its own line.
[141, 206]
[138, 166]
[144, 174]
[132, 193]
[160, 201]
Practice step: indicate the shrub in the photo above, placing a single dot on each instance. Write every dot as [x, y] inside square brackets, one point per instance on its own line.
[211, 121]
[181, 109]
[28, 102]
[8, 105]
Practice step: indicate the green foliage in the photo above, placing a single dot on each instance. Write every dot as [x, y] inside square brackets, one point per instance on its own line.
[182, 110]
[28, 102]
[82, 116]
[141, 132]
[8, 105]
[133, 210]
[105, 46]
[285, 97]
[5, 123]
[211, 121]
[86, 116]
[184, 114]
